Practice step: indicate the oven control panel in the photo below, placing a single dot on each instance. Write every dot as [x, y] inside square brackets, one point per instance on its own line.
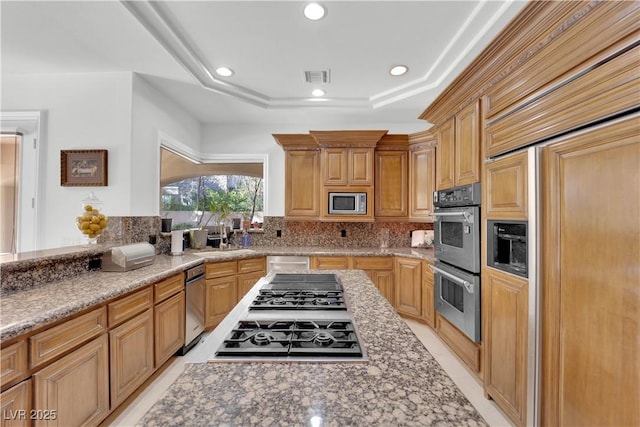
[464, 195]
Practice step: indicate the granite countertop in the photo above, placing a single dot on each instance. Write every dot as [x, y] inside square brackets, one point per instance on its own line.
[26, 310]
[399, 384]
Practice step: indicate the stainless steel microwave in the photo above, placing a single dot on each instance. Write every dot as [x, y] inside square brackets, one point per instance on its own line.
[347, 203]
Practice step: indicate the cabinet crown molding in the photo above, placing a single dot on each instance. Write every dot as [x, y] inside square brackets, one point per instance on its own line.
[348, 138]
[296, 141]
[396, 142]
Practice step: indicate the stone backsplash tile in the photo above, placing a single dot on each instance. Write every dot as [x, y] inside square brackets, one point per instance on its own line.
[314, 233]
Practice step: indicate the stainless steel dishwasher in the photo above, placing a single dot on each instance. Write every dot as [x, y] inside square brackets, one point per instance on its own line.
[194, 321]
[287, 263]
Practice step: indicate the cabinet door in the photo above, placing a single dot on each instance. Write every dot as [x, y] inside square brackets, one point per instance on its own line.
[76, 387]
[246, 281]
[467, 145]
[384, 282]
[131, 350]
[428, 309]
[302, 184]
[505, 298]
[335, 162]
[220, 298]
[408, 286]
[422, 176]
[590, 275]
[15, 405]
[168, 319]
[445, 155]
[361, 166]
[391, 190]
[506, 187]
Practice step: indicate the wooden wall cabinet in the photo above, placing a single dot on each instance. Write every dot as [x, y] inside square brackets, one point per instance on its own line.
[458, 153]
[76, 386]
[505, 333]
[131, 355]
[422, 175]
[347, 166]
[428, 305]
[506, 192]
[392, 178]
[408, 286]
[302, 184]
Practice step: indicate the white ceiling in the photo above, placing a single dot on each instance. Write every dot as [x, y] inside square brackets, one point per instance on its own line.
[176, 46]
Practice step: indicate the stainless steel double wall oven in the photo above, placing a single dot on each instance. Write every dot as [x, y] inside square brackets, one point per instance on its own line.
[457, 252]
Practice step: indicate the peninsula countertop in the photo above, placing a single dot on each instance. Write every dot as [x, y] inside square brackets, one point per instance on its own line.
[399, 384]
[29, 309]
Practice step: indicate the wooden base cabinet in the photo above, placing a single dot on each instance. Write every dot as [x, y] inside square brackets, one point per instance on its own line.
[131, 351]
[505, 332]
[169, 329]
[15, 405]
[220, 298]
[408, 284]
[428, 306]
[76, 387]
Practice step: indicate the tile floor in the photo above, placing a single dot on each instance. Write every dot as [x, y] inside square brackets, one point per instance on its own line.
[467, 383]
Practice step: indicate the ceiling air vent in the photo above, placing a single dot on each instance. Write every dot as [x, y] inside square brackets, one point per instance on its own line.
[317, 76]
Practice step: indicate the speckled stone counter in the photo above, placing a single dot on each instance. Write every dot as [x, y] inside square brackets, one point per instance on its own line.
[400, 384]
[29, 309]
[25, 310]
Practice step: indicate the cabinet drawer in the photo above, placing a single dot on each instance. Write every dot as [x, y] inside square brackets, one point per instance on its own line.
[166, 288]
[463, 347]
[373, 263]
[330, 262]
[127, 307]
[251, 265]
[53, 342]
[14, 363]
[221, 269]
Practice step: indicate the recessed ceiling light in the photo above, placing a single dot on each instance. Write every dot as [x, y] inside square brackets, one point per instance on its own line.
[224, 71]
[318, 92]
[398, 70]
[314, 11]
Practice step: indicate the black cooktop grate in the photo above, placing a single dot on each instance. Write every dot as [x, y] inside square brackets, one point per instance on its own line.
[306, 338]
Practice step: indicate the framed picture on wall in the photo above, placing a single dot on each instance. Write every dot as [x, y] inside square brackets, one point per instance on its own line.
[83, 168]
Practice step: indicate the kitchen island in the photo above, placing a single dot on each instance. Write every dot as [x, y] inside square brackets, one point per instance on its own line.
[399, 384]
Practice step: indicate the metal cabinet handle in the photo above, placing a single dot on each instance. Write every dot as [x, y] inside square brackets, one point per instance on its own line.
[467, 216]
[468, 285]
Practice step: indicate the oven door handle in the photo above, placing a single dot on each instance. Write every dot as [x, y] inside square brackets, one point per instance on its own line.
[468, 286]
[467, 216]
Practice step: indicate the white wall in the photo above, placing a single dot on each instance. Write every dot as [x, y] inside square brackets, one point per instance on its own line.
[82, 111]
[258, 139]
[153, 112]
[118, 112]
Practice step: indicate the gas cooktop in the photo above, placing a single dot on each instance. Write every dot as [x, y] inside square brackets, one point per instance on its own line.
[305, 338]
[291, 317]
[298, 300]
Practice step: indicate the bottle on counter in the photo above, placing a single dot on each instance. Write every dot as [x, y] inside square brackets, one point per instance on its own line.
[245, 238]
